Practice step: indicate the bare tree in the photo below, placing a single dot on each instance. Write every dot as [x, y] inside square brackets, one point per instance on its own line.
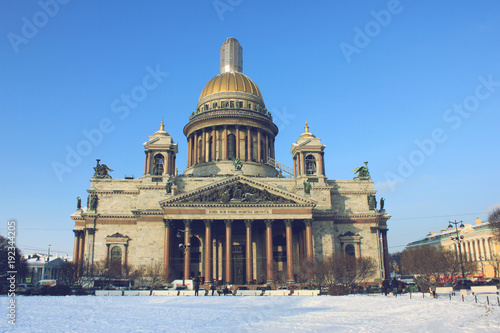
[434, 261]
[152, 276]
[345, 270]
[494, 219]
[395, 259]
[305, 270]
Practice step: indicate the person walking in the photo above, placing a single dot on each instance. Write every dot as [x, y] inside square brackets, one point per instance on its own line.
[385, 286]
[196, 288]
[394, 286]
[212, 287]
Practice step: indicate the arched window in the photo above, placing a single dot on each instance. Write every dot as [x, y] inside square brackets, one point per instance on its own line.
[349, 250]
[310, 165]
[158, 165]
[231, 146]
[116, 260]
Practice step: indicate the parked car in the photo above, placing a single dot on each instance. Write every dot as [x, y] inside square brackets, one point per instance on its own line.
[373, 290]
[78, 290]
[462, 284]
[24, 288]
[493, 282]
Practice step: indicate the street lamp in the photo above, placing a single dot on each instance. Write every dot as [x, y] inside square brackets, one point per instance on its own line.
[458, 238]
[184, 249]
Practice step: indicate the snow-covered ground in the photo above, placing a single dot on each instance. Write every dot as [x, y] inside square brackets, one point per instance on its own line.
[249, 314]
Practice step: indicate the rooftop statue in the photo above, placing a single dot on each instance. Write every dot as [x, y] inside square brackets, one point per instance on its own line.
[363, 173]
[238, 164]
[101, 170]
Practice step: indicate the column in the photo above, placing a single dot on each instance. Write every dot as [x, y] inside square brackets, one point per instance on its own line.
[298, 164]
[76, 246]
[266, 155]
[229, 249]
[224, 144]
[148, 171]
[295, 167]
[323, 163]
[188, 157]
[187, 251]
[303, 163]
[487, 248]
[166, 247]
[208, 252]
[195, 148]
[249, 144]
[214, 144]
[204, 156]
[259, 146]
[166, 164]
[320, 165]
[269, 251]
[385, 251]
[272, 148]
[309, 249]
[238, 142]
[249, 256]
[81, 250]
[289, 251]
[145, 162]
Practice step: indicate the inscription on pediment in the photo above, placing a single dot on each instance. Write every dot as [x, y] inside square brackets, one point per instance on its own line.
[236, 193]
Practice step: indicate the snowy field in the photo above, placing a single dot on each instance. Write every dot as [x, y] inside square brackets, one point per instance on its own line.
[249, 314]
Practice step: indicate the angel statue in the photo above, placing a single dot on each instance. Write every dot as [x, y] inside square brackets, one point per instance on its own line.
[238, 164]
[101, 170]
[363, 173]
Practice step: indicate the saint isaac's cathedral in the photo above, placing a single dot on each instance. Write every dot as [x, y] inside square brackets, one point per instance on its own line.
[245, 216]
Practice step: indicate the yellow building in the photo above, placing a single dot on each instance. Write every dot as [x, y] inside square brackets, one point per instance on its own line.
[477, 243]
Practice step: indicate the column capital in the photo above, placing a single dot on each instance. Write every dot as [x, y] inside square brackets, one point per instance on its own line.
[187, 223]
[269, 222]
[288, 222]
[248, 223]
[167, 223]
[228, 223]
[308, 222]
[208, 223]
[91, 231]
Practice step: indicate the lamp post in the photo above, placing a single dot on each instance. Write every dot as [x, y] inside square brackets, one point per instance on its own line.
[184, 248]
[458, 238]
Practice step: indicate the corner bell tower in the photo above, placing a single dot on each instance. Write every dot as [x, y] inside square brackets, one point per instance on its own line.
[308, 158]
[160, 153]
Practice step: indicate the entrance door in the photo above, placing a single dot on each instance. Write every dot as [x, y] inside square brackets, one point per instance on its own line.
[238, 265]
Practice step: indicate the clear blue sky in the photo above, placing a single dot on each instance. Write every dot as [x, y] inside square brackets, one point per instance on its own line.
[413, 87]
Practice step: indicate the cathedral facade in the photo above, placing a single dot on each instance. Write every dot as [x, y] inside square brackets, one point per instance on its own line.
[235, 214]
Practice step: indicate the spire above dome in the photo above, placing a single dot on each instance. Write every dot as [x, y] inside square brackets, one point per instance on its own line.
[161, 132]
[306, 133]
[231, 56]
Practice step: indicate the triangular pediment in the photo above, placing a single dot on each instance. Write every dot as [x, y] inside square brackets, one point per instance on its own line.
[240, 191]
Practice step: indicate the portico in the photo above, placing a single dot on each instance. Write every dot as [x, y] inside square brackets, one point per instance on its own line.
[250, 237]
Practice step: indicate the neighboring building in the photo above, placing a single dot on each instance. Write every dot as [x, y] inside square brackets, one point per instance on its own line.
[244, 221]
[478, 244]
[42, 267]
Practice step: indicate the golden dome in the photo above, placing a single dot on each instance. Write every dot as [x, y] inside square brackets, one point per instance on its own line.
[231, 82]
